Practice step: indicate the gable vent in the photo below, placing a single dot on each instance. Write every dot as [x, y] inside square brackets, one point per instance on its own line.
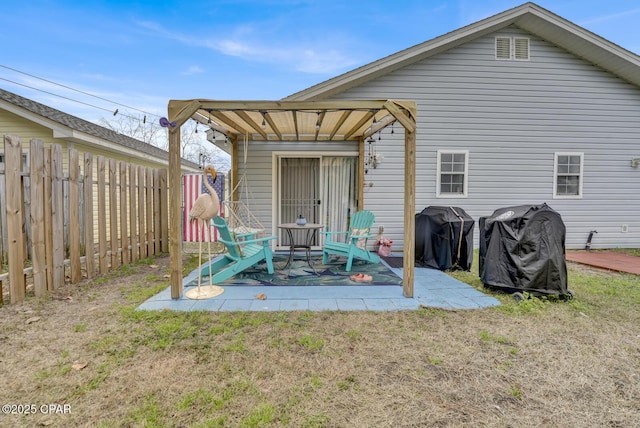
[521, 48]
[503, 47]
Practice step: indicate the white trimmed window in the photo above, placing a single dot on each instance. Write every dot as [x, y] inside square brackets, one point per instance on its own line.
[512, 48]
[567, 175]
[452, 174]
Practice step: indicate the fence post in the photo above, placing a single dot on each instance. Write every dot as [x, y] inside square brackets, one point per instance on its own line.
[36, 223]
[13, 174]
[74, 216]
[149, 196]
[142, 231]
[57, 215]
[102, 218]
[164, 212]
[133, 218]
[124, 235]
[87, 197]
[113, 214]
[48, 215]
[156, 212]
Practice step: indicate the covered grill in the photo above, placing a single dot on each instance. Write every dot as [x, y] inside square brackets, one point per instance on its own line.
[444, 238]
[522, 248]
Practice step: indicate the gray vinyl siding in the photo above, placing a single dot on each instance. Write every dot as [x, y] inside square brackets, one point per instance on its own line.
[512, 117]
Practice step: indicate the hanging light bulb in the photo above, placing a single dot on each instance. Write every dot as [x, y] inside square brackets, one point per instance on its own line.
[318, 122]
[264, 121]
[209, 121]
[392, 127]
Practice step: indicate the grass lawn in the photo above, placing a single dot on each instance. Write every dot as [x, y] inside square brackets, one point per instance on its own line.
[85, 357]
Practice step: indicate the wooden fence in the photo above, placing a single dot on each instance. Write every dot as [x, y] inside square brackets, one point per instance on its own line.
[55, 226]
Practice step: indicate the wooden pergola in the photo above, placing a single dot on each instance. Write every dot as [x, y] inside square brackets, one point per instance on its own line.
[318, 121]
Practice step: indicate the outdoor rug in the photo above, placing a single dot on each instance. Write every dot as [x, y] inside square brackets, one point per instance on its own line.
[394, 261]
[299, 273]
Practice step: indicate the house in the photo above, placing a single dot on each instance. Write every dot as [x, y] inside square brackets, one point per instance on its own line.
[29, 119]
[523, 107]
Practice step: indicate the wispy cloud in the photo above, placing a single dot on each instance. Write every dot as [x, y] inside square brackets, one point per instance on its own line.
[244, 42]
[303, 58]
[610, 17]
[194, 69]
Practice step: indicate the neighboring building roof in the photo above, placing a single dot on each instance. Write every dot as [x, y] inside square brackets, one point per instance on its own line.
[73, 123]
[529, 17]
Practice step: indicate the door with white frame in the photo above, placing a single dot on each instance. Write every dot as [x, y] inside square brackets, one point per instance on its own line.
[320, 187]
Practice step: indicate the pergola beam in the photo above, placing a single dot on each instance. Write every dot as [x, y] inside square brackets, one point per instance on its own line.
[257, 128]
[310, 106]
[226, 120]
[345, 115]
[273, 125]
[359, 125]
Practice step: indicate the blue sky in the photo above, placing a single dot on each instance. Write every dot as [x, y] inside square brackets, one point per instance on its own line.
[137, 55]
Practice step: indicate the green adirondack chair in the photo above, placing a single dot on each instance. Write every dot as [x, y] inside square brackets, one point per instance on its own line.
[355, 245]
[243, 251]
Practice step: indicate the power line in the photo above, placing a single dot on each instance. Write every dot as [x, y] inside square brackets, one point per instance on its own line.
[75, 90]
[75, 101]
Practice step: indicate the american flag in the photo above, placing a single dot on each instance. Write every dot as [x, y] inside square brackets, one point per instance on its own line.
[193, 186]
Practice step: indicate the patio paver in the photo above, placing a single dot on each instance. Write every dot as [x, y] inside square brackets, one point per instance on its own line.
[432, 288]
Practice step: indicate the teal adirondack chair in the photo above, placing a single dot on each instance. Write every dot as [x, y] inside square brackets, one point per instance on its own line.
[243, 251]
[355, 245]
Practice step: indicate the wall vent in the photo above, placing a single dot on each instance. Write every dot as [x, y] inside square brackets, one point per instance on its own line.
[521, 48]
[503, 47]
[512, 48]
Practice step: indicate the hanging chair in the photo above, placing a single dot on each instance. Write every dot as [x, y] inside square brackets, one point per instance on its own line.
[238, 215]
[240, 219]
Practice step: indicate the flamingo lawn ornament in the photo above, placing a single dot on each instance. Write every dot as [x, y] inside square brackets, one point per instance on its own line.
[204, 209]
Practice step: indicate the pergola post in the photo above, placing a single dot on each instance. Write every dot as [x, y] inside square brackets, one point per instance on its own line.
[235, 178]
[360, 173]
[175, 213]
[409, 211]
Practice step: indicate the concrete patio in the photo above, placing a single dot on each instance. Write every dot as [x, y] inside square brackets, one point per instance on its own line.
[432, 288]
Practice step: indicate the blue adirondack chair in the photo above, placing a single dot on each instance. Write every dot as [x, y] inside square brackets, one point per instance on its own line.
[243, 251]
[355, 245]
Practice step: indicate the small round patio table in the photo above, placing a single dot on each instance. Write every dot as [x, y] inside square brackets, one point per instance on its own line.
[312, 229]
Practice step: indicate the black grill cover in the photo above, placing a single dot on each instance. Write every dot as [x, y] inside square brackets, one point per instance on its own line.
[522, 248]
[444, 238]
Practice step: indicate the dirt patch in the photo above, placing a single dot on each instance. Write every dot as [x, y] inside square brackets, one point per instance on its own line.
[541, 363]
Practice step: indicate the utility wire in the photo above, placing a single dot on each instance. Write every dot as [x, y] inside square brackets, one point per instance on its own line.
[75, 101]
[72, 89]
